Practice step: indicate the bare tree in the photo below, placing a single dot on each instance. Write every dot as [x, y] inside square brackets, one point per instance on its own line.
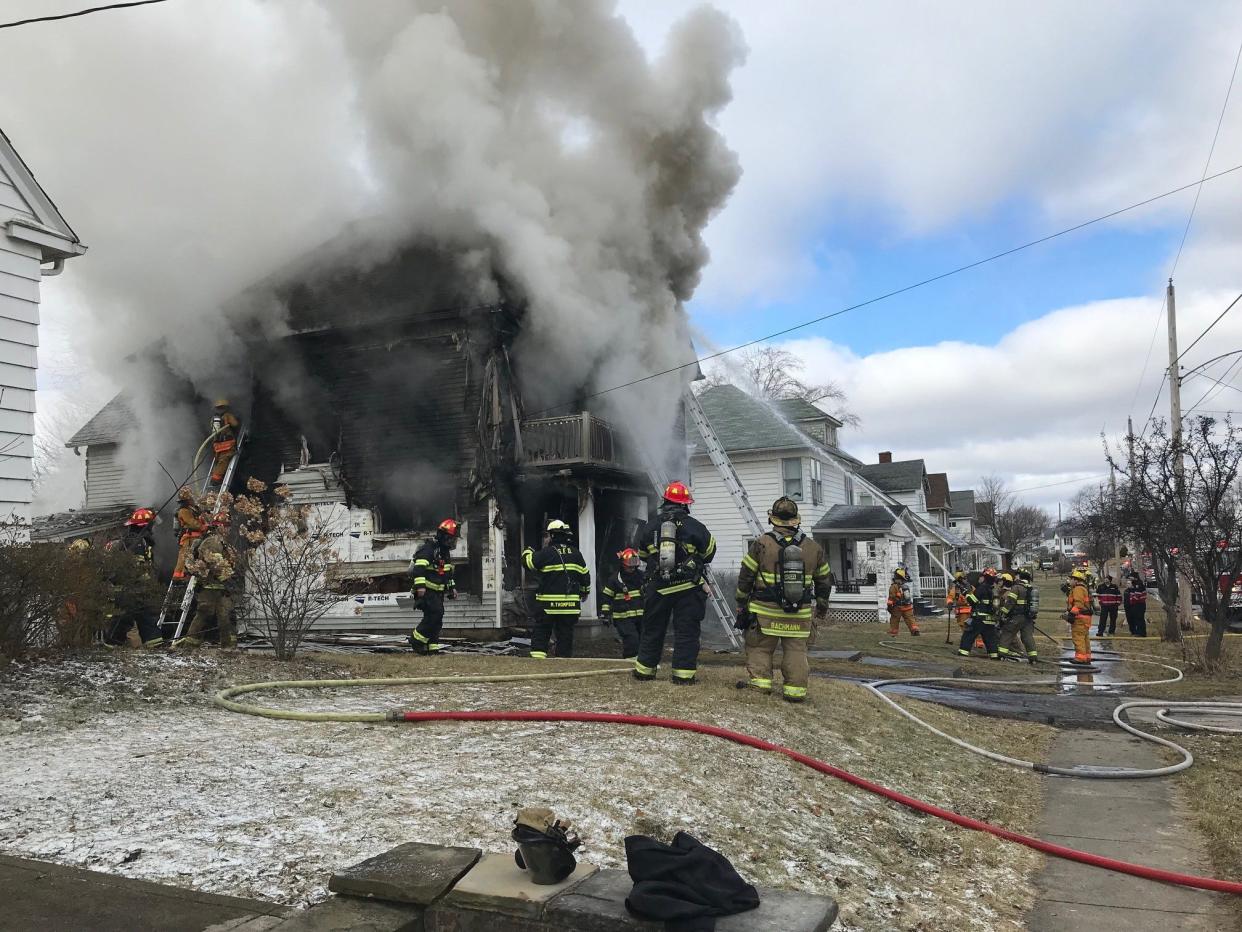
[1094, 513]
[1016, 525]
[774, 373]
[1181, 497]
[286, 552]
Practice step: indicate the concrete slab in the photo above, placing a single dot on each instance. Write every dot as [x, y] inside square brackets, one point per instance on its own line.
[498, 885]
[40, 896]
[410, 873]
[598, 905]
[1142, 821]
[351, 914]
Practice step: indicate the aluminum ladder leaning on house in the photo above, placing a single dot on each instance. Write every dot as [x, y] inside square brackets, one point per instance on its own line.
[191, 584]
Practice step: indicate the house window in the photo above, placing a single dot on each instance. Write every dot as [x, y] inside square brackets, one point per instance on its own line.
[817, 483]
[831, 438]
[849, 489]
[865, 499]
[952, 524]
[871, 550]
[791, 472]
[817, 432]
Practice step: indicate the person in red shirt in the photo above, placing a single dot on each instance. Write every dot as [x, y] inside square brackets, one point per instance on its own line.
[1108, 595]
[1135, 600]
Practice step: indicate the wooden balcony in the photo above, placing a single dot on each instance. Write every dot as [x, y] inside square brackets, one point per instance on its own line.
[575, 440]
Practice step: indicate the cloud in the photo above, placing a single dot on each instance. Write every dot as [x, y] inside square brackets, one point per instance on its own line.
[1033, 406]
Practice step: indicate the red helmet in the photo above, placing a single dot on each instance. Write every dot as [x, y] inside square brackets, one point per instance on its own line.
[678, 494]
[990, 571]
[629, 558]
[450, 527]
[140, 518]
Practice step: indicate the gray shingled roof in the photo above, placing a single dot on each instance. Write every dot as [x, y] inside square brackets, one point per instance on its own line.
[962, 504]
[107, 426]
[743, 423]
[856, 518]
[903, 476]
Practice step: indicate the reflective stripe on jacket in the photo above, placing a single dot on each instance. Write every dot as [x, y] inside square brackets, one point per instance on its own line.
[623, 596]
[758, 579]
[432, 569]
[563, 578]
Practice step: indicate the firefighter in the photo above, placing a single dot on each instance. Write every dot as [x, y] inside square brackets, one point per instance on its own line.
[900, 604]
[1078, 612]
[129, 570]
[622, 606]
[189, 525]
[1016, 620]
[1136, 607]
[564, 581]
[224, 428]
[432, 582]
[677, 549]
[955, 599]
[982, 601]
[214, 562]
[782, 574]
[1108, 595]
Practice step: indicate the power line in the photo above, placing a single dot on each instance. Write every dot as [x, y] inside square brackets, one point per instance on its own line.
[1032, 488]
[1215, 390]
[1209, 327]
[94, 9]
[1182, 245]
[905, 288]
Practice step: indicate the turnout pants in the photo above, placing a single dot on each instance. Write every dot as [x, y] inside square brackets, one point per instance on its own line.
[148, 630]
[897, 615]
[225, 451]
[629, 630]
[214, 610]
[1015, 629]
[183, 551]
[426, 637]
[795, 668]
[1080, 631]
[982, 628]
[1136, 621]
[684, 611]
[546, 625]
[1108, 620]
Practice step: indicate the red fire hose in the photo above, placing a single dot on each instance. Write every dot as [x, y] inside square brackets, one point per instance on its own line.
[612, 718]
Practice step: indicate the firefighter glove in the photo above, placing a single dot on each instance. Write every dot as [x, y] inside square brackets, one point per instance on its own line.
[420, 592]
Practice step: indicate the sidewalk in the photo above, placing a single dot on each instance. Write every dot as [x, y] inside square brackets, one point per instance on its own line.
[41, 896]
[1142, 821]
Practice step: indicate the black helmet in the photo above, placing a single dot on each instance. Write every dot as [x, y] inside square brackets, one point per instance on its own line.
[545, 846]
[784, 512]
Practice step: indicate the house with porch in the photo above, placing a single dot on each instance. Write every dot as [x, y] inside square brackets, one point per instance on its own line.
[972, 521]
[35, 241]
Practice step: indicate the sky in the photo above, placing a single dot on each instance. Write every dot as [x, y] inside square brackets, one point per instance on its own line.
[880, 144]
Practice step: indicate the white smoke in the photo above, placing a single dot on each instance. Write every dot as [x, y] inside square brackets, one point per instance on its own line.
[199, 153]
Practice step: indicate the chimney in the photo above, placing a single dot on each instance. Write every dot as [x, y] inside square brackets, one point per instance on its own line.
[886, 456]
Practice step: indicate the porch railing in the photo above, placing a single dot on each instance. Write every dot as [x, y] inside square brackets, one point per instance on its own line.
[932, 585]
[576, 439]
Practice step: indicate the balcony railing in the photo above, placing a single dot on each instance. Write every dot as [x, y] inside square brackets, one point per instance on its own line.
[574, 440]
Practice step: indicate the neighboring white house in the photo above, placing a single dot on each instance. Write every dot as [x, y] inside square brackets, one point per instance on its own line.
[34, 242]
[971, 521]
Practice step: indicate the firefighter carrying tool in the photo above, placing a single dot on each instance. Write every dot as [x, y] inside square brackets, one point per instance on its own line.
[901, 604]
[1078, 612]
[982, 616]
[224, 427]
[622, 606]
[563, 581]
[432, 582]
[188, 525]
[677, 548]
[781, 575]
[1018, 609]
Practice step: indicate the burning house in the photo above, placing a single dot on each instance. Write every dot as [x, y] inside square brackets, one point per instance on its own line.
[391, 401]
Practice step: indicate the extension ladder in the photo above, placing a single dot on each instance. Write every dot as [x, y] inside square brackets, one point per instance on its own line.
[186, 603]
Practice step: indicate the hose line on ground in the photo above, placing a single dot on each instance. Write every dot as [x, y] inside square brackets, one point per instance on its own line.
[225, 699]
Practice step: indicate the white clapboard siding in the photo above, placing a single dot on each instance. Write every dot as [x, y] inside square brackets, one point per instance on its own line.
[17, 286]
[12, 204]
[14, 466]
[106, 481]
[19, 309]
[16, 422]
[761, 477]
[15, 491]
[17, 263]
[16, 331]
[18, 354]
[16, 377]
[16, 443]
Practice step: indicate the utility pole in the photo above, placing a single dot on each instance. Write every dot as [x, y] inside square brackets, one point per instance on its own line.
[1183, 610]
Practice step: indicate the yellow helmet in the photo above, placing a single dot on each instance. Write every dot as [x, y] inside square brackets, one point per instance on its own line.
[1078, 574]
[901, 574]
[79, 545]
[222, 403]
[1007, 578]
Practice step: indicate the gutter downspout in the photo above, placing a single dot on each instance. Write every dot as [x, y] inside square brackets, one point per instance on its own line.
[58, 266]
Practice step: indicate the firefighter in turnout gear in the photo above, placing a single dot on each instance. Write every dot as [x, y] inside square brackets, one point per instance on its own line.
[1078, 612]
[189, 525]
[432, 581]
[224, 427]
[622, 605]
[982, 616]
[677, 548]
[782, 574]
[1018, 608]
[563, 582]
[128, 569]
[955, 600]
[900, 604]
[214, 562]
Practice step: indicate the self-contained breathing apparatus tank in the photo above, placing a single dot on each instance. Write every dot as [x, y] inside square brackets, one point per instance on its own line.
[666, 544]
[792, 575]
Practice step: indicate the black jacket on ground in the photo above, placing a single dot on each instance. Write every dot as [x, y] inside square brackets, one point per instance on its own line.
[686, 884]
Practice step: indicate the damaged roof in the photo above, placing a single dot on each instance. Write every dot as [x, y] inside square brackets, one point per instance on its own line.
[903, 476]
[66, 525]
[107, 426]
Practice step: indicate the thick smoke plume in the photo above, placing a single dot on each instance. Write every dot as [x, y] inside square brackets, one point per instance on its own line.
[205, 153]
